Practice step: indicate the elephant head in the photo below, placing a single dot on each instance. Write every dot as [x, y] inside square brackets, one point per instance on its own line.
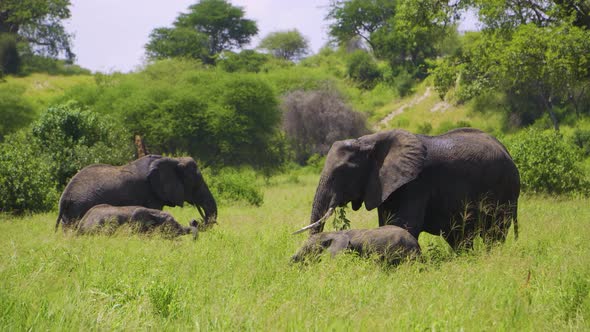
[179, 180]
[334, 242]
[366, 170]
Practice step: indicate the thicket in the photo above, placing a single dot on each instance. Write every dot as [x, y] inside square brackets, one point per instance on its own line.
[547, 162]
[37, 162]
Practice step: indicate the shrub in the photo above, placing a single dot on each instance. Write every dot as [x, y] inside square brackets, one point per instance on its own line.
[247, 60]
[231, 185]
[547, 162]
[363, 69]
[446, 126]
[26, 182]
[72, 138]
[581, 138]
[424, 128]
[316, 119]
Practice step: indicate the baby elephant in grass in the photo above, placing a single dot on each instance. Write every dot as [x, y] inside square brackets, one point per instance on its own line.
[390, 243]
[106, 219]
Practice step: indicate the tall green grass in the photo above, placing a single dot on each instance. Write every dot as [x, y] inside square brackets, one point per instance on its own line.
[237, 276]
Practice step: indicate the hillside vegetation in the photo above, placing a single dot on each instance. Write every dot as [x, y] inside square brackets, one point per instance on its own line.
[259, 124]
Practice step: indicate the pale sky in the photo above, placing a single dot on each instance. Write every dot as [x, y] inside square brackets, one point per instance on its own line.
[109, 35]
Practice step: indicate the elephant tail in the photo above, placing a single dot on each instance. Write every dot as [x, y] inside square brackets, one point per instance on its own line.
[57, 222]
[59, 218]
[515, 220]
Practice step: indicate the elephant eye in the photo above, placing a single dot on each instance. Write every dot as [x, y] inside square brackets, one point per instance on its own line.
[326, 243]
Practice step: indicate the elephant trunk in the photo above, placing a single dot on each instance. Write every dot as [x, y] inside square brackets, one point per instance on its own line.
[321, 205]
[207, 202]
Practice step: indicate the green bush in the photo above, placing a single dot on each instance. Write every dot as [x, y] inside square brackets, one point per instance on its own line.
[231, 185]
[363, 69]
[72, 138]
[581, 138]
[247, 60]
[178, 106]
[547, 162]
[26, 182]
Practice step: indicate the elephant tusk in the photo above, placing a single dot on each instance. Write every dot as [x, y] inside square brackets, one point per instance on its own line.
[317, 223]
[200, 211]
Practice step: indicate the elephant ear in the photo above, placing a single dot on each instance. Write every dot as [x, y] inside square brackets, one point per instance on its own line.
[397, 157]
[336, 244]
[166, 181]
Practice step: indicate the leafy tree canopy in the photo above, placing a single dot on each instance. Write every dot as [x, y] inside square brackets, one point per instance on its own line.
[211, 26]
[288, 45]
[404, 32]
[38, 23]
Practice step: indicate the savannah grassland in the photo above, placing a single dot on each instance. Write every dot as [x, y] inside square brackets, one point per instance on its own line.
[237, 276]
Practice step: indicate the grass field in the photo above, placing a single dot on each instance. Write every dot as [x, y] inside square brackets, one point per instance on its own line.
[237, 276]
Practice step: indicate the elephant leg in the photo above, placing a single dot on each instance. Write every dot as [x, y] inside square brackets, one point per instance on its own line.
[405, 208]
[498, 223]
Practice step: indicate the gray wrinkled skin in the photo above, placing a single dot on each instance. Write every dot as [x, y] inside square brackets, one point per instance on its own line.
[106, 219]
[459, 185]
[390, 243]
[152, 181]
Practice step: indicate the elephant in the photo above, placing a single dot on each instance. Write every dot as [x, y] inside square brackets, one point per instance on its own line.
[390, 243]
[107, 218]
[459, 184]
[151, 181]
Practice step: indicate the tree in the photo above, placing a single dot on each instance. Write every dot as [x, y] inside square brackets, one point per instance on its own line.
[404, 32]
[288, 45]
[359, 18]
[38, 23]
[9, 57]
[177, 42]
[223, 25]
[313, 120]
[508, 15]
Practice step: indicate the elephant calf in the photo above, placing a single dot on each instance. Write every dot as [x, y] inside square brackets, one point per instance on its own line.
[391, 243]
[106, 218]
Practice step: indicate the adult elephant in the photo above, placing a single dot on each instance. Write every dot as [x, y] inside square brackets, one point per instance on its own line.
[151, 181]
[457, 185]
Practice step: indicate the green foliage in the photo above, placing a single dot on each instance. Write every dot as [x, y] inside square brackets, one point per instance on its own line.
[10, 60]
[247, 122]
[38, 23]
[71, 138]
[232, 185]
[405, 33]
[446, 126]
[26, 176]
[179, 107]
[15, 110]
[424, 128]
[541, 70]
[247, 61]
[207, 29]
[363, 69]
[581, 138]
[287, 45]
[340, 221]
[177, 42]
[547, 162]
